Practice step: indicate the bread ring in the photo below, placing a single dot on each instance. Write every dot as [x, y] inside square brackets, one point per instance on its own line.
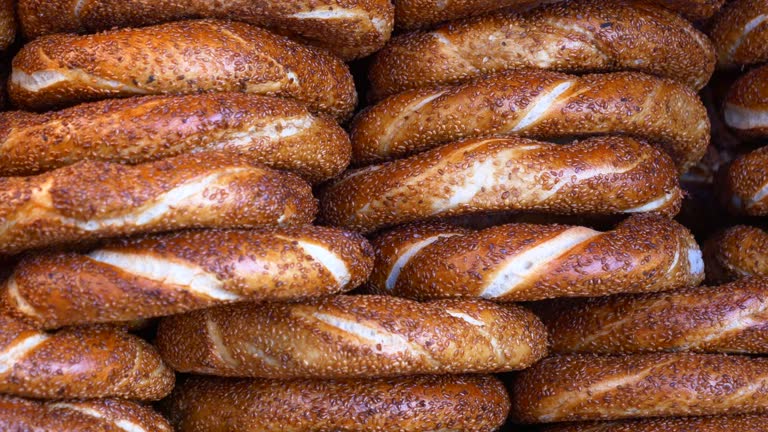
[79, 363]
[526, 262]
[92, 200]
[739, 32]
[169, 274]
[413, 14]
[587, 387]
[746, 106]
[272, 131]
[7, 24]
[349, 28]
[539, 104]
[100, 415]
[736, 252]
[744, 184]
[353, 336]
[743, 423]
[728, 319]
[456, 403]
[179, 58]
[604, 175]
[575, 36]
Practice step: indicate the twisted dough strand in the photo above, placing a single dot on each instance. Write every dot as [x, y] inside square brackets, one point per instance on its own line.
[92, 200]
[729, 318]
[79, 363]
[575, 36]
[525, 262]
[540, 104]
[588, 387]
[607, 175]
[164, 275]
[353, 336]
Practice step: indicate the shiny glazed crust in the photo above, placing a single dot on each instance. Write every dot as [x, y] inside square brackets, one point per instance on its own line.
[466, 403]
[726, 319]
[538, 104]
[605, 175]
[98, 415]
[743, 187]
[163, 275]
[736, 252]
[739, 32]
[746, 105]
[525, 262]
[353, 336]
[272, 131]
[575, 36]
[588, 387]
[79, 363]
[349, 28]
[179, 58]
[92, 200]
[742, 423]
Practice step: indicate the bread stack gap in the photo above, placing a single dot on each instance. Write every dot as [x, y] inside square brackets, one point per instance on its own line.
[159, 163]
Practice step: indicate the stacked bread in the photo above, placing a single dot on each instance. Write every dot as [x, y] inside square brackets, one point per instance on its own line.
[171, 172]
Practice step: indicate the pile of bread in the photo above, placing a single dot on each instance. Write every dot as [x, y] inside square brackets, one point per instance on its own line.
[203, 233]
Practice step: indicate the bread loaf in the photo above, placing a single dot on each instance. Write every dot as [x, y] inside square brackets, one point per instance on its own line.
[574, 36]
[739, 32]
[743, 423]
[743, 186]
[353, 336]
[608, 175]
[179, 58]
[168, 274]
[422, 403]
[272, 131]
[736, 252]
[525, 262]
[7, 24]
[588, 387]
[105, 415]
[79, 363]
[538, 104]
[92, 200]
[729, 318]
[746, 106]
[349, 28]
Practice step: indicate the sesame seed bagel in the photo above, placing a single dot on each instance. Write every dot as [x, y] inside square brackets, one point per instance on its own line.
[353, 336]
[736, 252]
[746, 105]
[739, 32]
[537, 104]
[743, 186]
[575, 36]
[466, 403]
[603, 175]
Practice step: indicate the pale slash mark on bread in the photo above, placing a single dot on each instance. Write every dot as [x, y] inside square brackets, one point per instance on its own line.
[17, 300]
[217, 340]
[40, 80]
[379, 24]
[739, 117]
[406, 256]
[123, 424]
[331, 261]
[749, 27]
[19, 350]
[388, 136]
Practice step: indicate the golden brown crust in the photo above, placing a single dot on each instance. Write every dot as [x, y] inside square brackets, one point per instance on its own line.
[736, 252]
[589, 387]
[98, 415]
[349, 28]
[744, 185]
[728, 319]
[413, 14]
[179, 58]
[539, 104]
[604, 175]
[353, 336]
[412, 404]
[81, 362]
[746, 105]
[92, 200]
[7, 24]
[575, 36]
[526, 262]
[273, 131]
[739, 32]
[164, 275]
[743, 423]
